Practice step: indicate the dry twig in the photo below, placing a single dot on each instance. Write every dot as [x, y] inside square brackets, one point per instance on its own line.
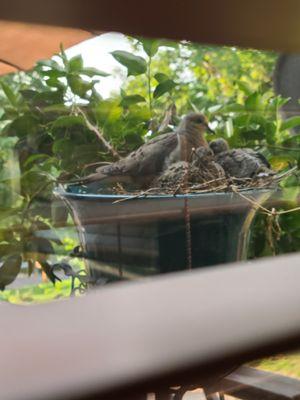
[99, 135]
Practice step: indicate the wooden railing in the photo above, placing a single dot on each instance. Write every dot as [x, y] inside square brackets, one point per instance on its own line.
[181, 329]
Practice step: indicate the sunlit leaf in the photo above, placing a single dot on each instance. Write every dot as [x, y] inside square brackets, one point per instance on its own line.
[244, 87]
[279, 162]
[91, 72]
[290, 123]
[150, 46]
[135, 65]
[75, 64]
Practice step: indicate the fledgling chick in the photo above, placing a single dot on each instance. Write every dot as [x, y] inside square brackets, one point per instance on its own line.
[142, 166]
[204, 160]
[240, 163]
[202, 169]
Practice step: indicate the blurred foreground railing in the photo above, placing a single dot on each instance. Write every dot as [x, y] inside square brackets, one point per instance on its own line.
[132, 338]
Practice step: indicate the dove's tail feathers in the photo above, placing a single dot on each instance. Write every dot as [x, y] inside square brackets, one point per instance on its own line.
[94, 177]
[85, 180]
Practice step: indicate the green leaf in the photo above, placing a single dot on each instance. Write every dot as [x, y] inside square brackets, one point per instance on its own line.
[75, 64]
[164, 87]
[24, 125]
[108, 112]
[50, 64]
[53, 73]
[91, 72]
[62, 147]
[235, 107]
[150, 46]
[35, 157]
[50, 96]
[132, 99]
[28, 94]
[63, 55]
[160, 77]
[79, 86]
[169, 43]
[68, 121]
[12, 97]
[135, 65]
[253, 101]
[244, 87]
[290, 123]
[54, 82]
[57, 108]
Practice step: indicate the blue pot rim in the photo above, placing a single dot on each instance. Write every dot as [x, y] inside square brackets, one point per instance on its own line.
[59, 191]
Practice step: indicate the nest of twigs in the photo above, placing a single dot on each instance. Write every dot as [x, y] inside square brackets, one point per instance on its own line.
[186, 186]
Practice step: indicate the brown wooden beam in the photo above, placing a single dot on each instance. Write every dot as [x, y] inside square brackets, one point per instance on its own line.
[269, 24]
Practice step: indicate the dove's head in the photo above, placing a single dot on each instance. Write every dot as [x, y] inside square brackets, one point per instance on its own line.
[196, 121]
[219, 145]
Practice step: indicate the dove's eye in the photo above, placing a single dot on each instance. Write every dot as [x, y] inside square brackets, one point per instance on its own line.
[199, 121]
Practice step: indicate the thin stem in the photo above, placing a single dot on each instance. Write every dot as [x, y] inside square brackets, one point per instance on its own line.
[99, 135]
[149, 84]
[283, 148]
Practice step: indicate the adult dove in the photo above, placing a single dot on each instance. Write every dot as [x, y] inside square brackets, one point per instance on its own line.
[240, 163]
[142, 166]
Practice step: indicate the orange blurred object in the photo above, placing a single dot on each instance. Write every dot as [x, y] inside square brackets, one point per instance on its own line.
[23, 44]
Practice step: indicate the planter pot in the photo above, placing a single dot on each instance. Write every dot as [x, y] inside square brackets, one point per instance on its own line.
[126, 237]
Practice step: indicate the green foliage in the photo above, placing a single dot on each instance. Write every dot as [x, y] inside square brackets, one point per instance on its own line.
[164, 87]
[45, 136]
[42, 293]
[135, 65]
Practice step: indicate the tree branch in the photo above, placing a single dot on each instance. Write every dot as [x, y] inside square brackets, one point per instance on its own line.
[100, 136]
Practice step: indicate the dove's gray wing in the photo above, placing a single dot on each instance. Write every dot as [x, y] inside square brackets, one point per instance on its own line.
[143, 164]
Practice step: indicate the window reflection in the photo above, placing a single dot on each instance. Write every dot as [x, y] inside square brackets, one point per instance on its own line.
[179, 207]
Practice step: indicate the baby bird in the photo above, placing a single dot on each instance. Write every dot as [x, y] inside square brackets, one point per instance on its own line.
[240, 163]
[204, 160]
[202, 169]
[146, 163]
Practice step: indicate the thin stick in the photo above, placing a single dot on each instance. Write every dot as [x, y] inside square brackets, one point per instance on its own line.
[206, 183]
[137, 196]
[100, 136]
[288, 211]
[252, 201]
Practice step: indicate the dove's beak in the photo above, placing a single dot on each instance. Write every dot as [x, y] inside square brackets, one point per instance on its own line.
[210, 130]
